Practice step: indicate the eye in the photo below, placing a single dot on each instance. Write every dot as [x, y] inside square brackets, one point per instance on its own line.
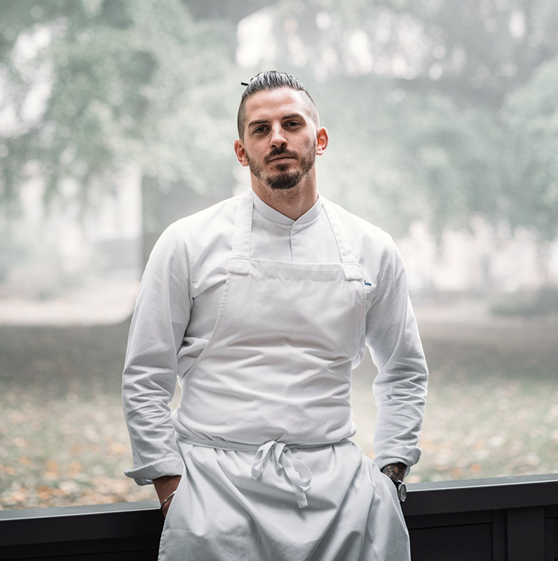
[293, 124]
[259, 130]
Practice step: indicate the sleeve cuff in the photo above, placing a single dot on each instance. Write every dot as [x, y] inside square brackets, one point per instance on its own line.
[145, 475]
[405, 455]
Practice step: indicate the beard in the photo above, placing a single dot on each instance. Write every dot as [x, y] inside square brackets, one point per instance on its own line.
[285, 179]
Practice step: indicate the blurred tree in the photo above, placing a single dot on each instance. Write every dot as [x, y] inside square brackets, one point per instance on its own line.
[434, 105]
[447, 107]
[231, 10]
[474, 50]
[93, 86]
[532, 116]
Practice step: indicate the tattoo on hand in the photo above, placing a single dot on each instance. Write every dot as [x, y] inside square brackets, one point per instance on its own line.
[395, 471]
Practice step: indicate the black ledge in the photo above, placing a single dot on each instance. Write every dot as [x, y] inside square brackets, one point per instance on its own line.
[468, 495]
[141, 522]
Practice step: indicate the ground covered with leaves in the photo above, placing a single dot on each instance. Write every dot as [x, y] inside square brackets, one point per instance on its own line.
[492, 408]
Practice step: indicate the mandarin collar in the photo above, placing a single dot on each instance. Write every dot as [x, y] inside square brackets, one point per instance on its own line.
[276, 217]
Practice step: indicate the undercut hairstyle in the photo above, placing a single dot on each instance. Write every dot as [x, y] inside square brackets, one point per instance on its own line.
[273, 80]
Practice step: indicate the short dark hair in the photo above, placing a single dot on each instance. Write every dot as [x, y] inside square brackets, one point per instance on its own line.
[271, 80]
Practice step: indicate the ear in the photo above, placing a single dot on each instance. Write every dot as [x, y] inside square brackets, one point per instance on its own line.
[322, 140]
[240, 152]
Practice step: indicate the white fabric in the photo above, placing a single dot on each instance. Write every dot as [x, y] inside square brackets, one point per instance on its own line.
[296, 472]
[276, 389]
[220, 513]
[177, 306]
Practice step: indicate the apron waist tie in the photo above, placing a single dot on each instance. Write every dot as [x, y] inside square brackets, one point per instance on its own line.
[296, 471]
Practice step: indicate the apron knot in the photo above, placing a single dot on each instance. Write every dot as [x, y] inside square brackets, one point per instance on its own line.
[298, 474]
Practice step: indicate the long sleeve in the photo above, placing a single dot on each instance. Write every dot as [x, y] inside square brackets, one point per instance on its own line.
[400, 386]
[158, 325]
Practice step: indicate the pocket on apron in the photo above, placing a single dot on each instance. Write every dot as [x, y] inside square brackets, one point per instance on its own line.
[386, 481]
[391, 487]
[172, 505]
[392, 490]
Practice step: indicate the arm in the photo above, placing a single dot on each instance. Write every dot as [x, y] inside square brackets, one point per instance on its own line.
[400, 386]
[160, 319]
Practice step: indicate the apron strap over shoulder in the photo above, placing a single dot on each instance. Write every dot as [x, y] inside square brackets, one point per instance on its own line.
[347, 255]
[243, 225]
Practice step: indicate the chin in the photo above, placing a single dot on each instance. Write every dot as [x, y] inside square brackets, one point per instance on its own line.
[283, 181]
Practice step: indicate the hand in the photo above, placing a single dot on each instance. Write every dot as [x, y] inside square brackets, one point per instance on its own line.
[396, 472]
[165, 486]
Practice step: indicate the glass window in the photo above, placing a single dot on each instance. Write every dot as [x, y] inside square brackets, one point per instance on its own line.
[117, 118]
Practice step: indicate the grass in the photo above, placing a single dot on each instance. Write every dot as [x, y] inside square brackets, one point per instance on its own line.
[492, 408]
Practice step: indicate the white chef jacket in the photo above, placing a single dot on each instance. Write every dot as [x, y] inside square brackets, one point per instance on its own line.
[179, 300]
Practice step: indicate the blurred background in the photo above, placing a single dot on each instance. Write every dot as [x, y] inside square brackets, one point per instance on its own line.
[118, 117]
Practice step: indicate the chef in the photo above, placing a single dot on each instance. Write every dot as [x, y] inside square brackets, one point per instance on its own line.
[262, 306]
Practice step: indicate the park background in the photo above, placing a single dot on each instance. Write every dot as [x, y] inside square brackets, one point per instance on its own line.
[118, 117]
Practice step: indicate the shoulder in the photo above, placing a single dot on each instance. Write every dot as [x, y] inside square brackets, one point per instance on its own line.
[214, 218]
[367, 240]
[192, 236]
[204, 230]
[374, 249]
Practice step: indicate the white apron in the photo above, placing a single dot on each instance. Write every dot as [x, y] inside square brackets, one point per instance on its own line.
[265, 417]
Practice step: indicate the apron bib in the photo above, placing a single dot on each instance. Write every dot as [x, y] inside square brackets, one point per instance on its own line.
[265, 416]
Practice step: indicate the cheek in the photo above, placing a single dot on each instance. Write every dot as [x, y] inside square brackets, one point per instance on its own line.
[257, 150]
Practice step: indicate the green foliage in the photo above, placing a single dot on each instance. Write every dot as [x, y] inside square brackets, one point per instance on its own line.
[127, 84]
[532, 115]
[413, 157]
[445, 110]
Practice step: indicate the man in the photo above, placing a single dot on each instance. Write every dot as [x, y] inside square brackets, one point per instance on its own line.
[262, 305]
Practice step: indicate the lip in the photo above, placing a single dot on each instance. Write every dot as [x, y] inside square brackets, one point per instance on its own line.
[279, 158]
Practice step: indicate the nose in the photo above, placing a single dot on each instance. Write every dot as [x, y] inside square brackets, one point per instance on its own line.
[277, 138]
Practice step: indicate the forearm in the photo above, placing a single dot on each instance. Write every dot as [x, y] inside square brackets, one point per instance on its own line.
[145, 400]
[400, 386]
[148, 417]
[158, 327]
[399, 418]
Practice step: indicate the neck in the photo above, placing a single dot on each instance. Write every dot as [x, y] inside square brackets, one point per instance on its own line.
[294, 202]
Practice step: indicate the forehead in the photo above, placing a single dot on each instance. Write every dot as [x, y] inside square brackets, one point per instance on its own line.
[268, 104]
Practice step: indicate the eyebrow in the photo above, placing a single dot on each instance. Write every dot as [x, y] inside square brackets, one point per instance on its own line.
[258, 122]
[294, 116]
[264, 121]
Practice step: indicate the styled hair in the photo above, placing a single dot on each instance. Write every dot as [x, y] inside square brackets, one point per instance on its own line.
[272, 80]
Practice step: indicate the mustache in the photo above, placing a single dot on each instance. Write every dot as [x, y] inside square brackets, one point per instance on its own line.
[281, 151]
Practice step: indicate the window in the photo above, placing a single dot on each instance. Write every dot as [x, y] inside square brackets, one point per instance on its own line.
[109, 133]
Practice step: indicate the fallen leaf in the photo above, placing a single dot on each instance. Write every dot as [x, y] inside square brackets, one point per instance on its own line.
[74, 469]
[118, 448]
[25, 461]
[44, 492]
[69, 487]
[18, 496]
